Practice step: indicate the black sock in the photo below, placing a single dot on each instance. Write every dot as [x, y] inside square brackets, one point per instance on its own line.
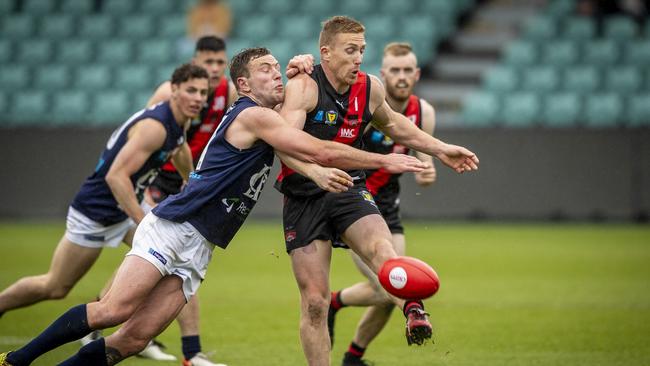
[335, 301]
[70, 326]
[94, 353]
[191, 346]
[410, 304]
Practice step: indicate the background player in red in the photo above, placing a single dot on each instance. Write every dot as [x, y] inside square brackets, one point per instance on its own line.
[336, 102]
[399, 73]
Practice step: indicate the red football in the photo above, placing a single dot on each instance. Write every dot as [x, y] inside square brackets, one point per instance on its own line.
[408, 278]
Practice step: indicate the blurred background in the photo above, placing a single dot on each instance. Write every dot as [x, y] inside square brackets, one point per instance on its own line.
[553, 96]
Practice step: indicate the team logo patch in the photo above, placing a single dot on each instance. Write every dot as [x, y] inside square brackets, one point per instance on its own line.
[368, 197]
[158, 256]
[290, 236]
[319, 117]
[331, 118]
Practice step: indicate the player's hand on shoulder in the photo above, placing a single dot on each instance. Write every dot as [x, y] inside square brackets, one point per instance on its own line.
[300, 64]
[401, 163]
[331, 179]
[458, 158]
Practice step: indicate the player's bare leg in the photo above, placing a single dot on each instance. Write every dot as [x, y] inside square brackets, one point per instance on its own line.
[69, 263]
[311, 266]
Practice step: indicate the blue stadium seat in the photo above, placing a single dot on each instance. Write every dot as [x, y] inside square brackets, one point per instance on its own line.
[603, 110]
[243, 7]
[52, 77]
[7, 6]
[521, 109]
[92, 77]
[114, 51]
[602, 52]
[381, 27]
[309, 46]
[560, 53]
[257, 28]
[136, 27]
[119, 7]
[560, 8]
[278, 7]
[541, 79]
[235, 45]
[297, 27]
[283, 50]
[14, 77]
[172, 26]
[57, 26]
[75, 51]
[540, 28]
[402, 7]
[4, 103]
[34, 51]
[99, 26]
[581, 79]
[159, 7]
[620, 28]
[623, 80]
[18, 26]
[637, 53]
[501, 79]
[110, 108]
[561, 110]
[480, 109]
[579, 29]
[357, 8]
[134, 77]
[77, 7]
[6, 51]
[162, 73]
[29, 106]
[156, 51]
[139, 99]
[521, 53]
[70, 107]
[39, 7]
[638, 110]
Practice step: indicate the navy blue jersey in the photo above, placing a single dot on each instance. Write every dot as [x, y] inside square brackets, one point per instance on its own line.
[225, 186]
[95, 199]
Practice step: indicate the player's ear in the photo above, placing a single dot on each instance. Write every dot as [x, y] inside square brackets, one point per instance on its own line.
[242, 84]
[175, 88]
[325, 53]
[417, 74]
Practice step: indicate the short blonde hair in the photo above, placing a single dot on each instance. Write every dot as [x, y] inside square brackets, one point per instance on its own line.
[336, 25]
[398, 49]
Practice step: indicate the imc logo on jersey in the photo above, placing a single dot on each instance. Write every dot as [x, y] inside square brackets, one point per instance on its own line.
[158, 256]
[347, 132]
[331, 118]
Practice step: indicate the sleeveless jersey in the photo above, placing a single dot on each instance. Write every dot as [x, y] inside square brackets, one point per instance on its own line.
[381, 183]
[202, 128]
[95, 199]
[225, 186]
[337, 117]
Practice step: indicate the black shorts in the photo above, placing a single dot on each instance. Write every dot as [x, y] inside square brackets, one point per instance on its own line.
[165, 184]
[324, 217]
[389, 209]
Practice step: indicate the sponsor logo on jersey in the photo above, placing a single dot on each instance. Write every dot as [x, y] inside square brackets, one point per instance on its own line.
[319, 117]
[195, 175]
[289, 236]
[229, 203]
[94, 237]
[242, 209]
[387, 141]
[158, 256]
[353, 120]
[331, 118]
[347, 132]
[257, 183]
[339, 103]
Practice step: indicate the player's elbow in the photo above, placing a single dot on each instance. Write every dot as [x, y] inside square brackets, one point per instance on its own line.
[325, 157]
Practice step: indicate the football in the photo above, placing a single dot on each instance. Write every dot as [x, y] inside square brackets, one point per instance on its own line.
[408, 278]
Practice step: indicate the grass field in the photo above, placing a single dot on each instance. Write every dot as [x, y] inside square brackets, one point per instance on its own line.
[510, 295]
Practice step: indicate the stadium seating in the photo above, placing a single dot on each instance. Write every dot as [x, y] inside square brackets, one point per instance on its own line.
[68, 105]
[603, 110]
[57, 27]
[6, 51]
[480, 109]
[14, 77]
[52, 78]
[94, 27]
[110, 106]
[17, 27]
[30, 106]
[520, 109]
[561, 109]
[76, 7]
[638, 110]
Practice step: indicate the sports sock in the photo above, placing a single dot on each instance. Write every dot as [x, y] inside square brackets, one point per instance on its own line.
[70, 326]
[191, 345]
[410, 304]
[94, 353]
[355, 350]
[335, 301]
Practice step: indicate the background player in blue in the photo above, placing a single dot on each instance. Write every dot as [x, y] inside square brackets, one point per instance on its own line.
[173, 245]
[106, 209]
[336, 102]
[399, 73]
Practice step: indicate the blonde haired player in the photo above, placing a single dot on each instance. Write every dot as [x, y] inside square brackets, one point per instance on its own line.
[399, 73]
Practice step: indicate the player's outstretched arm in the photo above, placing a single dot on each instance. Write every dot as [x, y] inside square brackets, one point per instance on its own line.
[329, 179]
[403, 131]
[267, 125]
[144, 139]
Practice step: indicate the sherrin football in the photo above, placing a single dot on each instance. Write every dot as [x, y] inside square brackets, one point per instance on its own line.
[408, 278]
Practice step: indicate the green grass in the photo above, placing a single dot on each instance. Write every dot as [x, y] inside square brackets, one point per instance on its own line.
[510, 295]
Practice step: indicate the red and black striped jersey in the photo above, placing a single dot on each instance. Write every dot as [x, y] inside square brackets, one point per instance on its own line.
[337, 117]
[379, 181]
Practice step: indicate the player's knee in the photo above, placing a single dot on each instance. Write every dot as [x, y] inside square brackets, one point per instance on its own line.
[56, 291]
[317, 309]
[111, 315]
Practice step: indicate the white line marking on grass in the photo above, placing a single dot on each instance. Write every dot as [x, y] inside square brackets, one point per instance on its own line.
[10, 340]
